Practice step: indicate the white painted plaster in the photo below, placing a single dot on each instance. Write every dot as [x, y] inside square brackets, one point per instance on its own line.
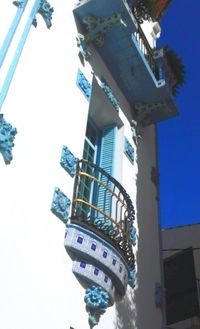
[38, 289]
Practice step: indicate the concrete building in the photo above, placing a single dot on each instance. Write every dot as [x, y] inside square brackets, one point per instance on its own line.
[181, 253]
[81, 101]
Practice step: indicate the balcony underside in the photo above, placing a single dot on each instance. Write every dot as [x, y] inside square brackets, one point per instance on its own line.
[126, 62]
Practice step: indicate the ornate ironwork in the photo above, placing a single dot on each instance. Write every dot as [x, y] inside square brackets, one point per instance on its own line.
[7, 136]
[101, 203]
[145, 48]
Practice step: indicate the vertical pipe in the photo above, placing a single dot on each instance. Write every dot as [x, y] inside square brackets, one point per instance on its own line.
[18, 52]
[11, 32]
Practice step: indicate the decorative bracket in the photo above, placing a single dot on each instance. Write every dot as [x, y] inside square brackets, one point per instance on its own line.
[132, 278]
[46, 11]
[18, 4]
[7, 136]
[144, 110]
[68, 161]
[133, 235]
[97, 26]
[60, 205]
[135, 131]
[97, 301]
[84, 85]
[109, 93]
[84, 50]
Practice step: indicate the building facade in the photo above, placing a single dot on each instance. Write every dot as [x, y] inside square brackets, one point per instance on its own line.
[82, 89]
[182, 276]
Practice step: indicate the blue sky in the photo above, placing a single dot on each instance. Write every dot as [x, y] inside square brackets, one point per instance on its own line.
[179, 138]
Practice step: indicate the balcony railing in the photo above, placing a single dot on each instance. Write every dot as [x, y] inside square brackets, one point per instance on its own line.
[102, 205]
[145, 48]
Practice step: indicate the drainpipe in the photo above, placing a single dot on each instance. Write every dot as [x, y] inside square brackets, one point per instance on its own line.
[43, 7]
[21, 5]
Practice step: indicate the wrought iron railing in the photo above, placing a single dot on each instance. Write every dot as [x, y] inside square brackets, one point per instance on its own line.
[145, 48]
[101, 204]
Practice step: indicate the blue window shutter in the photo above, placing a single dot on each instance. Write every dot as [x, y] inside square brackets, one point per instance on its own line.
[108, 148]
[107, 163]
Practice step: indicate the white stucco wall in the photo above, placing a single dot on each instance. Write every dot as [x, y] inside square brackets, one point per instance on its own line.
[38, 289]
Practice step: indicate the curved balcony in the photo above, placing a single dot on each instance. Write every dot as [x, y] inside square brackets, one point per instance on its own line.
[102, 205]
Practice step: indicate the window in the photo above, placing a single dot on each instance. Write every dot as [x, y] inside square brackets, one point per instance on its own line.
[98, 149]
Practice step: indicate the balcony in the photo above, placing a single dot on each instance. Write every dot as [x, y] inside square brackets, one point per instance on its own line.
[101, 205]
[139, 70]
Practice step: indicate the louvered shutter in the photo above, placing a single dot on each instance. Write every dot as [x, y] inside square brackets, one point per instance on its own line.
[106, 163]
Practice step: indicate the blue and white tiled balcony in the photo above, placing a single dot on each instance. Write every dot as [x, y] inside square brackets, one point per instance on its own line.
[100, 236]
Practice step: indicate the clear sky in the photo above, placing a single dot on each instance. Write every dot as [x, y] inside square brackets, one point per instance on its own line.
[179, 138]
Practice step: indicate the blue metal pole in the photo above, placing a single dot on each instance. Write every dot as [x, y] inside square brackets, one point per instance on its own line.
[18, 52]
[8, 39]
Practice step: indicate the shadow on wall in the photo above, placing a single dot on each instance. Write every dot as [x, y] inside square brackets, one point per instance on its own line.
[125, 311]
